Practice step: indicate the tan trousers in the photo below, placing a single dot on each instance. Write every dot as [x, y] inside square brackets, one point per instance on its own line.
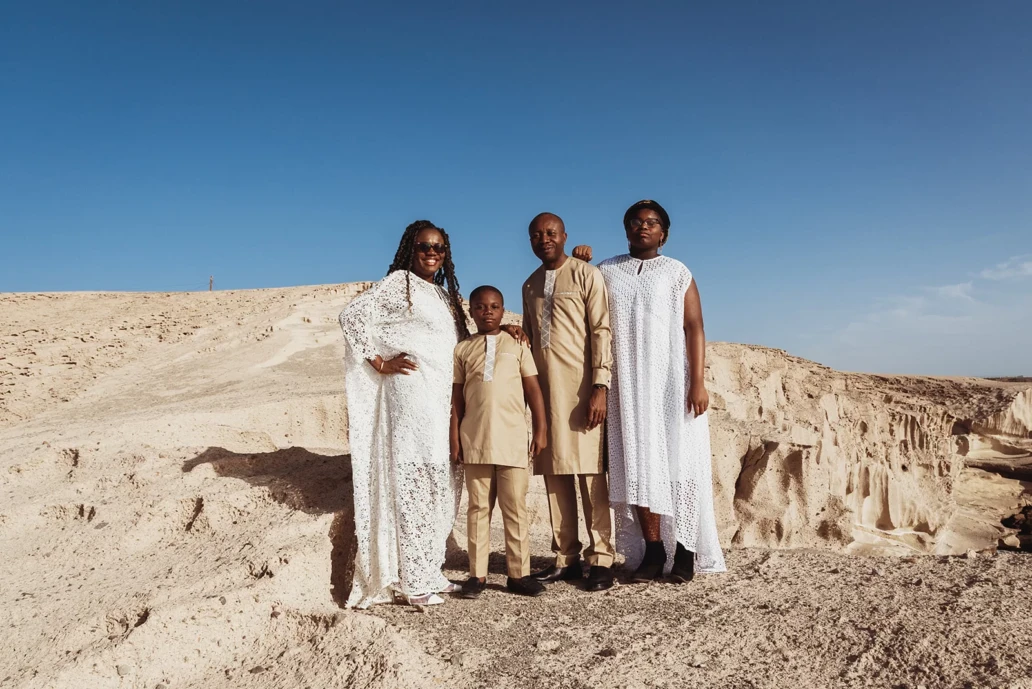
[485, 483]
[562, 508]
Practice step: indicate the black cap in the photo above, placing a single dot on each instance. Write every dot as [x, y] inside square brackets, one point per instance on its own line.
[651, 205]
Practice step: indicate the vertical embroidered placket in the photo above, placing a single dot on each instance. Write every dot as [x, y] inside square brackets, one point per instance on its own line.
[489, 361]
[546, 310]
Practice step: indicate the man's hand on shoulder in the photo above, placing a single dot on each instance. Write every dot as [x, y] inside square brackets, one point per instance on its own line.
[516, 332]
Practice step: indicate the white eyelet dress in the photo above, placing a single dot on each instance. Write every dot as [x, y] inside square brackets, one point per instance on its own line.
[659, 452]
[406, 489]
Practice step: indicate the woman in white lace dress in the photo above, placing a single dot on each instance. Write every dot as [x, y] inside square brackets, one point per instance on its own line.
[400, 335]
[660, 475]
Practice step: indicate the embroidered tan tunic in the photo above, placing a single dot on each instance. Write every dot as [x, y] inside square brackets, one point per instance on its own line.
[566, 317]
[491, 369]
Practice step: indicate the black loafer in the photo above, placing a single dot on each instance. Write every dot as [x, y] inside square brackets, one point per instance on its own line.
[599, 579]
[552, 573]
[525, 586]
[472, 588]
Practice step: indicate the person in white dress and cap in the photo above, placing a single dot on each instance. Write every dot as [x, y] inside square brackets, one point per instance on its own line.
[660, 474]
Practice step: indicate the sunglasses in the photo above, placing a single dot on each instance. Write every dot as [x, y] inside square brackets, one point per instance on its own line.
[426, 247]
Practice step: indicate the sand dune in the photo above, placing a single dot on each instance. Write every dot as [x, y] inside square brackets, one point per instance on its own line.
[175, 511]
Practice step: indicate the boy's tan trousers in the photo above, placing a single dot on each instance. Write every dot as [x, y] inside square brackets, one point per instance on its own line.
[486, 483]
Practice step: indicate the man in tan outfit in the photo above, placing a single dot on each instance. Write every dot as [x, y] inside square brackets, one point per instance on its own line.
[566, 317]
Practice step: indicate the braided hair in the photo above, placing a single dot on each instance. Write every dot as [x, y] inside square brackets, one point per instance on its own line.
[403, 261]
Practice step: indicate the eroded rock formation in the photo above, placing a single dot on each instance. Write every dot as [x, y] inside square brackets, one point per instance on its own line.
[806, 456]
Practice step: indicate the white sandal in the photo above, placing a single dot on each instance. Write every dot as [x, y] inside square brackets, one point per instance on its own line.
[424, 600]
[452, 587]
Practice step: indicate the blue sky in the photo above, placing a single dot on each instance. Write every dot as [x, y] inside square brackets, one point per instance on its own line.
[849, 181]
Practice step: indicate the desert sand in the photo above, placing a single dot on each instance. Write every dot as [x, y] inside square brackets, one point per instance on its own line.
[175, 512]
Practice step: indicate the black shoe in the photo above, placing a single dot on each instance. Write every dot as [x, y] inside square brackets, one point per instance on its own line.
[525, 586]
[599, 579]
[652, 564]
[472, 588]
[552, 573]
[684, 565]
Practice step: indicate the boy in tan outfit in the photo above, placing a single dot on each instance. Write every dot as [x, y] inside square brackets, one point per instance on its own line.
[495, 379]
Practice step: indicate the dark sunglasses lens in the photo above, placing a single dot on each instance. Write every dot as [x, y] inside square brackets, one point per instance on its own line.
[425, 247]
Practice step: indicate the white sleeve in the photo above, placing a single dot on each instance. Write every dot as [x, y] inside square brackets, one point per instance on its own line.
[360, 320]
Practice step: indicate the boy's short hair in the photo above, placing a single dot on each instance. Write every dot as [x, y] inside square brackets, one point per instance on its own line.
[486, 288]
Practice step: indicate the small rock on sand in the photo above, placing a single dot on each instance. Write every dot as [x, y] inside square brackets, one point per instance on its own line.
[463, 658]
[548, 645]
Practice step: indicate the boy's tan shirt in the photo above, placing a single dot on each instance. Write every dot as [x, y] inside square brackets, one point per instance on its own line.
[494, 427]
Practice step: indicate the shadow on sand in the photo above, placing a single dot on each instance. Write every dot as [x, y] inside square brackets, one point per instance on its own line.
[305, 481]
[321, 484]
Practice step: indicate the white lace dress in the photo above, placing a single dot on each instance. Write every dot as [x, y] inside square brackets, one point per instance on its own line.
[406, 489]
[659, 452]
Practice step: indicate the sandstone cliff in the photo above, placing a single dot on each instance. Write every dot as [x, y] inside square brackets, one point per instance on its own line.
[808, 456]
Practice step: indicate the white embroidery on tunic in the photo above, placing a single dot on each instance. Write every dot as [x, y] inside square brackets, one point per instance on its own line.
[489, 362]
[546, 310]
[659, 453]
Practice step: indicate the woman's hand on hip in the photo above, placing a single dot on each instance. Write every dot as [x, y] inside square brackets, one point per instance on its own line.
[698, 399]
[399, 364]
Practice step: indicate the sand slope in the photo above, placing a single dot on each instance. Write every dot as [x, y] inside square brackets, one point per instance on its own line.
[174, 510]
